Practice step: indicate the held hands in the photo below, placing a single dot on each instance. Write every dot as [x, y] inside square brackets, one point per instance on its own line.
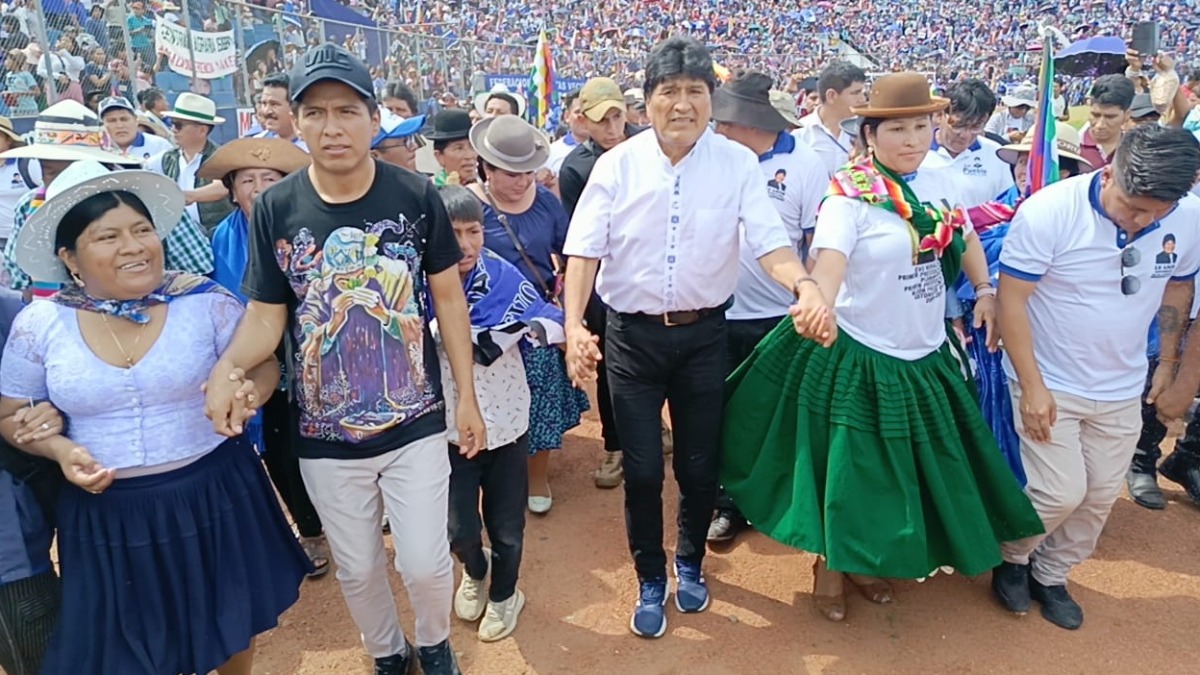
[1039, 412]
[583, 355]
[37, 423]
[1169, 396]
[985, 317]
[812, 317]
[230, 401]
[472, 433]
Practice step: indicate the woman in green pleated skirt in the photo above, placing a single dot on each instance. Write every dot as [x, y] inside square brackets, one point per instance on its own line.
[873, 453]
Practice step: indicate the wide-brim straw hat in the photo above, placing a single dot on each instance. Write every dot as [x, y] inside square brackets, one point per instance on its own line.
[1065, 137]
[6, 128]
[898, 95]
[510, 143]
[195, 108]
[254, 153]
[34, 248]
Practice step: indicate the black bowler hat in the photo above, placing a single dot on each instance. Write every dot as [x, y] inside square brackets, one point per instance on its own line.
[746, 100]
[450, 125]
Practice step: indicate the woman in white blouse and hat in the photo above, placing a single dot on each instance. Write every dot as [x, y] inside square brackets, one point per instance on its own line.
[174, 552]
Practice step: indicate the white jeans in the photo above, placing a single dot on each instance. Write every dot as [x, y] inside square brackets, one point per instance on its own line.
[413, 484]
[1074, 479]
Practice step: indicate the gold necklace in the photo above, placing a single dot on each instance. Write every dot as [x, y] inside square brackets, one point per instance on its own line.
[125, 354]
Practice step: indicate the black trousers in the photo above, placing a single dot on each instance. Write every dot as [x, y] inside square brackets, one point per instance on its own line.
[1145, 460]
[744, 336]
[28, 615]
[596, 316]
[649, 363]
[283, 465]
[502, 475]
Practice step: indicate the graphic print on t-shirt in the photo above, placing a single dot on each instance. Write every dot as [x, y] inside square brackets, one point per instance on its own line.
[359, 330]
[1164, 261]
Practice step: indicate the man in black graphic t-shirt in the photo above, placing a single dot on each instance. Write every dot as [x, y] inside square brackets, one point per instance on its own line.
[348, 255]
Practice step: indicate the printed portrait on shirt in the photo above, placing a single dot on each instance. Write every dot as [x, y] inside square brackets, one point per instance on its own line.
[1167, 256]
[777, 186]
[359, 357]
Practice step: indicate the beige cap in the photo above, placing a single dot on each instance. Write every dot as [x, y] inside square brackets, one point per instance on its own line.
[598, 96]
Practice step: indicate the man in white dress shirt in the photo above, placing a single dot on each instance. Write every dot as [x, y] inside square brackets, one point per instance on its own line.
[796, 183]
[1080, 281]
[661, 212]
[843, 86]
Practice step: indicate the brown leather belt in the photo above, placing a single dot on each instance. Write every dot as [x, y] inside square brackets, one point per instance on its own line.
[685, 318]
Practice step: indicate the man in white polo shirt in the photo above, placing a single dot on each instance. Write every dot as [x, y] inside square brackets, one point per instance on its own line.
[843, 86]
[1081, 277]
[796, 183]
[958, 146]
[121, 127]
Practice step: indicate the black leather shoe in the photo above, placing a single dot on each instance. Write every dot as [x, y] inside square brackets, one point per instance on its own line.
[398, 664]
[1057, 605]
[438, 659]
[1143, 488]
[1010, 585]
[725, 526]
[1184, 470]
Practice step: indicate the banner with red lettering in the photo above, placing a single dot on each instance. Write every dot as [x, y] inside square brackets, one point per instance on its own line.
[216, 53]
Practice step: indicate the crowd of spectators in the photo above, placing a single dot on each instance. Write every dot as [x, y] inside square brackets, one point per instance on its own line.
[436, 46]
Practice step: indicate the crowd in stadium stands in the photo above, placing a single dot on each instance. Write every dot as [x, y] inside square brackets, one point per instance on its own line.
[438, 46]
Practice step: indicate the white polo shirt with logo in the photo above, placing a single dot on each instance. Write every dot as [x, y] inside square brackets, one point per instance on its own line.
[796, 183]
[146, 146]
[985, 176]
[1089, 338]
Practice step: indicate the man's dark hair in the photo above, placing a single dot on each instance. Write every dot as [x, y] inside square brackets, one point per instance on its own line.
[441, 144]
[147, 98]
[838, 76]
[278, 81]
[971, 100]
[1157, 162]
[1169, 239]
[679, 57]
[397, 89]
[507, 98]
[1115, 90]
[569, 98]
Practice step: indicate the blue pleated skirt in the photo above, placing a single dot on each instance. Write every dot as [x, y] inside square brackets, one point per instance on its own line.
[174, 572]
[994, 400]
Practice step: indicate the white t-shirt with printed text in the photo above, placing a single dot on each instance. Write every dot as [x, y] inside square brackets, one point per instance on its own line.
[1089, 338]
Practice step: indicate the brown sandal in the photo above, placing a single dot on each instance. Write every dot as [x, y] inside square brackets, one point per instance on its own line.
[874, 589]
[827, 592]
[317, 550]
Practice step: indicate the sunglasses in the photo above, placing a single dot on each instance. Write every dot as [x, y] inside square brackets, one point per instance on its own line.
[1130, 257]
[410, 142]
[178, 125]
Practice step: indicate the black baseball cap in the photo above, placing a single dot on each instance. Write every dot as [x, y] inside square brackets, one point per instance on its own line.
[331, 62]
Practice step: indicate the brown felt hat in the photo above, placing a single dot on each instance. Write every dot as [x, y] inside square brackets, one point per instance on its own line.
[901, 95]
[254, 153]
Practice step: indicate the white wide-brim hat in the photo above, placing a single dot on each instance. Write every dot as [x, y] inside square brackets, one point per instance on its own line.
[35, 253]
[68, 132]
[195, 108]
[482, 99]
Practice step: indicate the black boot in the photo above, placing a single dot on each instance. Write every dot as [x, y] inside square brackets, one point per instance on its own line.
[397, 664]
[1181, 467]
[438, 659]
[1010, 585]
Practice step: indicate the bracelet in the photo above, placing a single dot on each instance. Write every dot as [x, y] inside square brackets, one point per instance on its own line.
[1168, 359]
[796, 285]
[988, 292]
[983, 284]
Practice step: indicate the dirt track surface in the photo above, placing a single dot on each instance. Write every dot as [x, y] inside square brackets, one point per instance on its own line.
[1140, 594]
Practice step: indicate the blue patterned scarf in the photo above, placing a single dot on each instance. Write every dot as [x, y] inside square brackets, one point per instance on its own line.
[174, 285]
[499, 294]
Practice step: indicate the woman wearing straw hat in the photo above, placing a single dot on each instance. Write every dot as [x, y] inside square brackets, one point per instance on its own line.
[525, 224]
[174, 552]
[247, 167]
[991, 221]
[872, 453]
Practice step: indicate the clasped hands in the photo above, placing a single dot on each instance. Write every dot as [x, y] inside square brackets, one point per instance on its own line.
[230, 400]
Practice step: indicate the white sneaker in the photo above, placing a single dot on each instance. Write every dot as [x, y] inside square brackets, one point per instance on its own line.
[501, 618]
[471, 598]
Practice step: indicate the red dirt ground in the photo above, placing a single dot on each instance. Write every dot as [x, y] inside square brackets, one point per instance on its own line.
[1140, 593]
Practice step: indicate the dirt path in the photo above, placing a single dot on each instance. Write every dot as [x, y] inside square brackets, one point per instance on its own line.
[1140, 594]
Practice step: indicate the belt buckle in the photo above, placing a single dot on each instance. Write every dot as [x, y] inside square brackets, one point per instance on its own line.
[667, 319]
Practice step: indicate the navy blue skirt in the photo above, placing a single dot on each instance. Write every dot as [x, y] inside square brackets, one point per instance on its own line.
[175, 572]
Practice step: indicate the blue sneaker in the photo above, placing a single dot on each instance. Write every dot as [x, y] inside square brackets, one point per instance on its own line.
[649, 617]
[691, 592]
